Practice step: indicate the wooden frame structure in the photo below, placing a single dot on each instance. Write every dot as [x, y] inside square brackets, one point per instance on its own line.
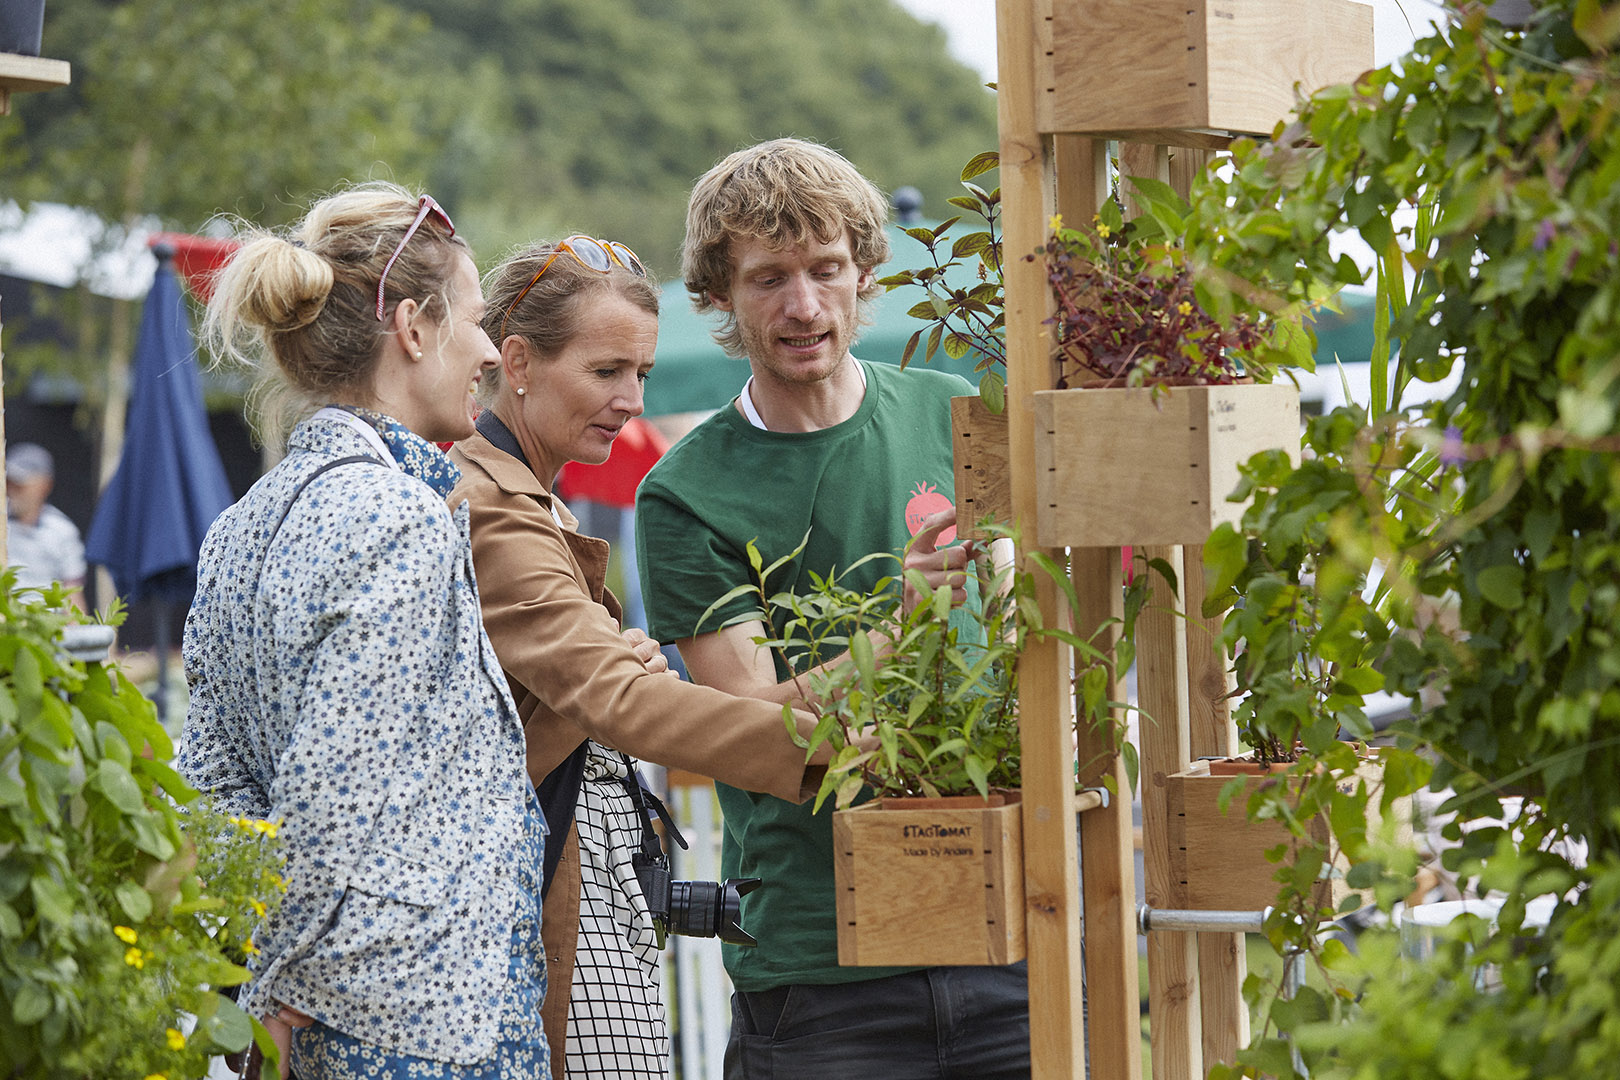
[1224, 67]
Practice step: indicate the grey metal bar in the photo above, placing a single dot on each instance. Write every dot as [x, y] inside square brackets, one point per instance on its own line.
[1199, 922]
[1293, 979]
[87, 642]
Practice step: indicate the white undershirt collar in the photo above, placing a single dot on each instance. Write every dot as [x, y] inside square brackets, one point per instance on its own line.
[746, 398]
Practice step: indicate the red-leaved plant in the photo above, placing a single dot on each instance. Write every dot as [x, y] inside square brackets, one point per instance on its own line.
[1129, 313]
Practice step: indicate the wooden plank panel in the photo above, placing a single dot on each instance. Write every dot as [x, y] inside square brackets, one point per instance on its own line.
[1196, 67]
[907, 872]
[1122, 63]
[1314, 43]
[1135, 466]
[1107, 852]
[1212, 733]
[979, 453]
[1175, 1023]
[1051, 865]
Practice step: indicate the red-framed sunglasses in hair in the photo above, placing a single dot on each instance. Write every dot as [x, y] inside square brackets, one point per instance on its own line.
[424, 206]
[589, 252]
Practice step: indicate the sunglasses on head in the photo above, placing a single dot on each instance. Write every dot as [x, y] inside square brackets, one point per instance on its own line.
[424, 206]
[589, 252]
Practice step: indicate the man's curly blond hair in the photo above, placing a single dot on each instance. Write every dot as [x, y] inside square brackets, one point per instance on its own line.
[784, 192]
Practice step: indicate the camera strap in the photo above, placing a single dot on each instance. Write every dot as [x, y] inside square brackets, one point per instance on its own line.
[642, 796]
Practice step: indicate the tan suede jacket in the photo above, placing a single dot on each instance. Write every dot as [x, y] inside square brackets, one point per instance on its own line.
[555, 629]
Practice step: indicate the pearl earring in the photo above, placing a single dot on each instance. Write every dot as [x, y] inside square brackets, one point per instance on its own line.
[419, 354]
[521, 391]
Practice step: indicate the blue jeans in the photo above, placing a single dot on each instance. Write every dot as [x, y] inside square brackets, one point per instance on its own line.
[944, 1023]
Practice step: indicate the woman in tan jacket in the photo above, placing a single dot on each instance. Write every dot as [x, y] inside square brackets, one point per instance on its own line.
[576, 323]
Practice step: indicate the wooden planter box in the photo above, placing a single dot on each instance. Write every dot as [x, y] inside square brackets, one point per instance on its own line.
[1124, 466]
[979, 452]
[1194, 72]
[1218, 861]
[930, 881]
[1115, 467]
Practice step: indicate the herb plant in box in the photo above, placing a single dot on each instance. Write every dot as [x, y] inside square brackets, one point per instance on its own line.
[1182, 354]
[919, 711]
[1164, 385]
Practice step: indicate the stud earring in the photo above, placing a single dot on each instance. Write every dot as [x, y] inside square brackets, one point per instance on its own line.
[521, 391]
[419, 354]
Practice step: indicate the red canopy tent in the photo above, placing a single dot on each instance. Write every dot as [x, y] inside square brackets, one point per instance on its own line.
[197, 258]
[614, 482]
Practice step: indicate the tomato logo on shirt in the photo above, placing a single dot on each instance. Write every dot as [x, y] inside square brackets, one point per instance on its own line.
[925, 502]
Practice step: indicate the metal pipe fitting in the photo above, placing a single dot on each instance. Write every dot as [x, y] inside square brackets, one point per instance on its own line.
[1199, 922]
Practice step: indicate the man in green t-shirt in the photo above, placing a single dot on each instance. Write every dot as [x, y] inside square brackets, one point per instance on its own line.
[783, 240]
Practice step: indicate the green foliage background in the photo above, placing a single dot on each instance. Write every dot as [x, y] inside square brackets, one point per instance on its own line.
[524, 117]
[118, 910]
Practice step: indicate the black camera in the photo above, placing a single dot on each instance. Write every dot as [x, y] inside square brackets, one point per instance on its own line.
[692, 908]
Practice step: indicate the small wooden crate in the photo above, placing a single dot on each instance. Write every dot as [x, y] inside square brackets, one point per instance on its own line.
[1218, 861]
[979, 451]
[930, 881]
[1172, 71]
[1131, 466]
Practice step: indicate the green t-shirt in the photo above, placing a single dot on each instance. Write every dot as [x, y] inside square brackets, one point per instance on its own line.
[856, 488]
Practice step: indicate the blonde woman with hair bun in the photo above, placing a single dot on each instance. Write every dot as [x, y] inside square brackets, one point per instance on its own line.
[341, 681]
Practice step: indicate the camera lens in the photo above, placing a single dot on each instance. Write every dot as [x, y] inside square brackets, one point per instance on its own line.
[710, 909]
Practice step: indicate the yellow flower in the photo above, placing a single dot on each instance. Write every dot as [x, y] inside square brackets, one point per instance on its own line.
[176, 1040]
[1103, 230]
[125, 934]
[1056, 223]
[1185, 307]
[250, 948]
[157, 1076]
[134, 958]
[257, 906]
[267, 828]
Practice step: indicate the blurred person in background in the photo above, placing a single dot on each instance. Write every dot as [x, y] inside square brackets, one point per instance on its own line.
[42, 544]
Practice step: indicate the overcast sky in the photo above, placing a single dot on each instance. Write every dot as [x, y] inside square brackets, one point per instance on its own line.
[971, 27]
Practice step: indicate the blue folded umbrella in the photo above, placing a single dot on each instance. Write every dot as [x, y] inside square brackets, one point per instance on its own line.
[170, 485]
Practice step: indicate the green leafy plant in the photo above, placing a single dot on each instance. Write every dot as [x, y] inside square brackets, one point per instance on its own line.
[1462, 553]
[924, 705]
[120, 912]
[963, 317]
[1132, 305]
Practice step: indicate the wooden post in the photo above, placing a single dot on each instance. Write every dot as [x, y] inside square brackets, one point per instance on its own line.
[1051, 863]
[1174, 1023]
[1222, 963]
[1224, 1016]
[1108, 881]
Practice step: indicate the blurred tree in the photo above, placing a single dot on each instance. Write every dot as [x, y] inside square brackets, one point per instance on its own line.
[180, 110]
[609, 109]
[526, 117]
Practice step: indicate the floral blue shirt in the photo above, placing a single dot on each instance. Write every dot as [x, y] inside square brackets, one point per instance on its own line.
[341, 682]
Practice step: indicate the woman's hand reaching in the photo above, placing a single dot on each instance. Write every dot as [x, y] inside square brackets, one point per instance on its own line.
[648, 651]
